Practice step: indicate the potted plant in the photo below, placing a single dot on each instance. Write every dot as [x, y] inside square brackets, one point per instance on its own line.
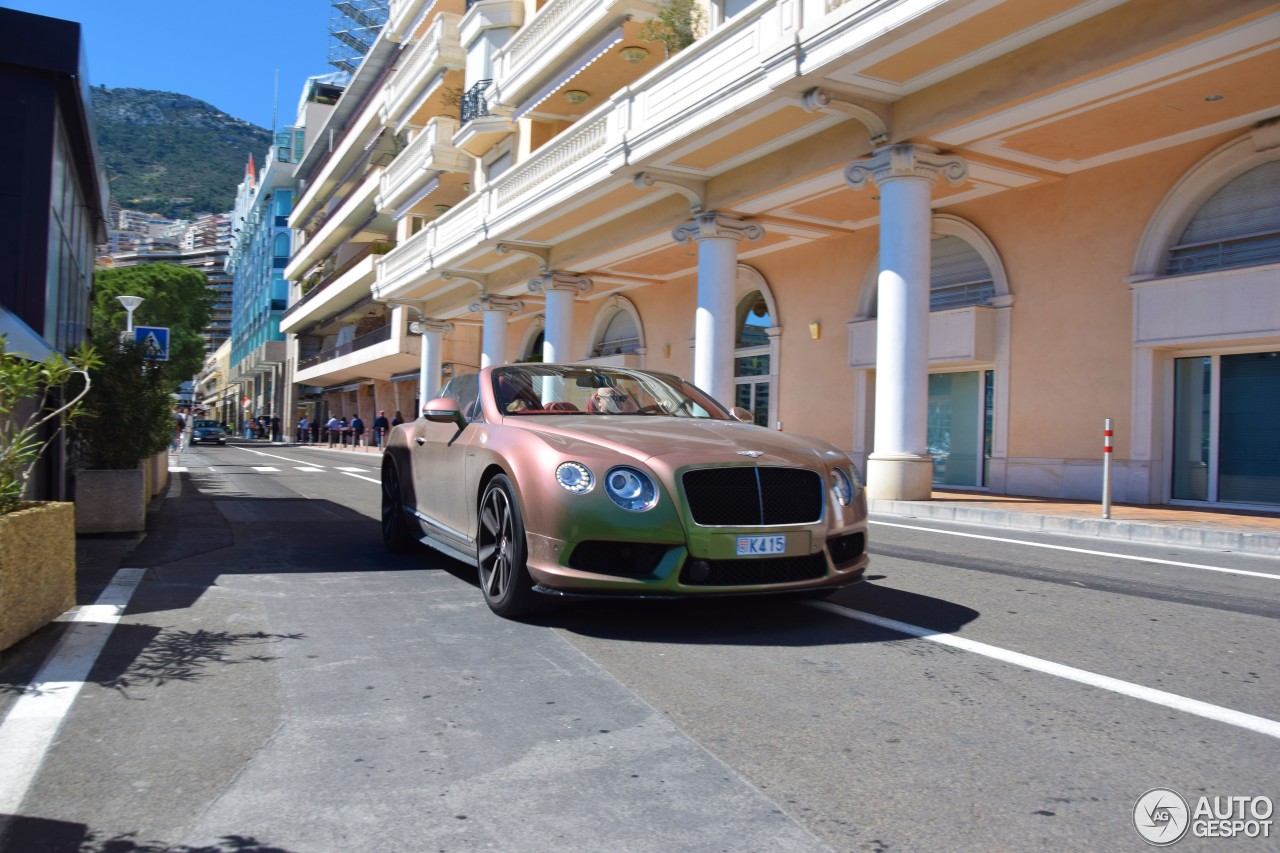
[127, 419]
[37, 538]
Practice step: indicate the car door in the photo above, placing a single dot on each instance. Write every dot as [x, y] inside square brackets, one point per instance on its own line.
[438, 453]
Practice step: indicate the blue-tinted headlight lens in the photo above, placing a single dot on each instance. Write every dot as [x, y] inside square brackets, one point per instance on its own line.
[631, 489]
[575, 477]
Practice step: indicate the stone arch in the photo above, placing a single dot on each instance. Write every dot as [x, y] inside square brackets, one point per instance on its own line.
[943, 225]
[1184, 200]
[606, 312]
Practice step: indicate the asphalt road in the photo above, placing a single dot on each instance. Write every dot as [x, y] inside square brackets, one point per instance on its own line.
[279, 683]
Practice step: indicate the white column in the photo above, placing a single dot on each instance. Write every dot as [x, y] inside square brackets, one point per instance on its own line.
[559, 290]
[493, 346]
[717, 237]
[431, 358]
[900, 467]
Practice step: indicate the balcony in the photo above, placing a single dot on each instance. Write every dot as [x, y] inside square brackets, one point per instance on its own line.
[560, 41]
[421, 73]
[349, 218]
[376, 355]
[481, 126]
[345, 286]
[430, 153]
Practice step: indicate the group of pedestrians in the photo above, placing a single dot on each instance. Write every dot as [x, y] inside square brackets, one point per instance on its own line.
[339, 432]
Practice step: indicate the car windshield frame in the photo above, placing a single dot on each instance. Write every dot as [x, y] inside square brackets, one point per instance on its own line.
[557, 390]
[206, 424]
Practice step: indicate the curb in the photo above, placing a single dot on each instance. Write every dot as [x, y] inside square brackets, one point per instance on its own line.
[1207, 538]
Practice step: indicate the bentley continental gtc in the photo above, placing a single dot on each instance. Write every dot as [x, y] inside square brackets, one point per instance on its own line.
[592, 481]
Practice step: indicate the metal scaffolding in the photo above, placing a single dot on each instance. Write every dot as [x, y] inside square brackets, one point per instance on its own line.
[353, 27]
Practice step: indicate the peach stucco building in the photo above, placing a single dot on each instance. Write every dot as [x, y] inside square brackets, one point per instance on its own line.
[950, 236]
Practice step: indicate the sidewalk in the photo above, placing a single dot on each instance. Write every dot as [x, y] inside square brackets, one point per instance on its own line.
[1193, 527]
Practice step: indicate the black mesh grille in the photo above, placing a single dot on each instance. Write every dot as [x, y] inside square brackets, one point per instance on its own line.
[623, 559]
[751, 497]
[768, 570]
[846, 549]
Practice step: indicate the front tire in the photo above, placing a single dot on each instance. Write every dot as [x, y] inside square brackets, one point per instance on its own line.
[501, 553]
[395, 532]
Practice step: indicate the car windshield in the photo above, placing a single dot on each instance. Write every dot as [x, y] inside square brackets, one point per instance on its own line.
[550, 389]
[207, 425]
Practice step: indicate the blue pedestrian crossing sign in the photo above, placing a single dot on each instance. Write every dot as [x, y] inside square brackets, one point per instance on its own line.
[155, 339]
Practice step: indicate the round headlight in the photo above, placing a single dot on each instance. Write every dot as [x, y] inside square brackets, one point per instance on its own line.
[842, 486]
[631, 489]
[575, 477]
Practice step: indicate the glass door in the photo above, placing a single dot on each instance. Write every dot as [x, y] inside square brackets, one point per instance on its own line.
[1226, 429]
[959, 433]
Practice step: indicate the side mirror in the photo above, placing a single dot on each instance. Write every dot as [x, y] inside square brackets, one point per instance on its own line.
[444, 410]
[740, 414]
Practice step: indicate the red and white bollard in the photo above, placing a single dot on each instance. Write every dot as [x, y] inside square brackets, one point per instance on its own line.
[1106, 469]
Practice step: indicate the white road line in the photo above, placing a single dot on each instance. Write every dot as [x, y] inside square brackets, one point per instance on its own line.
[177, 469]
[310, 468]
[265, 469]
[346, 469]
[33, 721]
[1261, 725]
[276, 456]
[362, 477]
[1083, 551]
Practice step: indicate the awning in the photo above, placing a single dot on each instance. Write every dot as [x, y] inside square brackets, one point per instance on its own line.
[431, 186]
[405, 377]
[572, 69]
[20, 339]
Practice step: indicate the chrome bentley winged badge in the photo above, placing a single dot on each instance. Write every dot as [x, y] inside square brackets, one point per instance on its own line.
[751, 453]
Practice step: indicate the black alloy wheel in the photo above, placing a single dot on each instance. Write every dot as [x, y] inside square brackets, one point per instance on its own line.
[395, 532]
[501, 553]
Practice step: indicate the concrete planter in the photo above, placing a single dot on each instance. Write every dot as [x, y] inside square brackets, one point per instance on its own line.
[37, 568]
[111, 501]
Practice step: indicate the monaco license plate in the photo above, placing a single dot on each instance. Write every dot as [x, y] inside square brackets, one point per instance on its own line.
[759, 546]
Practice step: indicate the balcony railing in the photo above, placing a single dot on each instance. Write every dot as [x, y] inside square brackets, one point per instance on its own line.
[378, 248]
[377, 336]
[474, 104]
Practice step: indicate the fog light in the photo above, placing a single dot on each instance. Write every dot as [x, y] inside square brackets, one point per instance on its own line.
[698, 571]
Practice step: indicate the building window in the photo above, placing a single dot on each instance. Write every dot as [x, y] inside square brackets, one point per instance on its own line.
[959, 276]
[1239, 226]
[621, 335]
[753, 358]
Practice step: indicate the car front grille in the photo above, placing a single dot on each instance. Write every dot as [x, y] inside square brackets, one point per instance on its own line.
[753, 497]
[768, 570]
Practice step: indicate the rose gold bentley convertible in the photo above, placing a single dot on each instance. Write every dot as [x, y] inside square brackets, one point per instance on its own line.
[579, 480]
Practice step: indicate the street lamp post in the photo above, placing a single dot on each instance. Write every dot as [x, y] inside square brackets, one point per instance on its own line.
[130, 304]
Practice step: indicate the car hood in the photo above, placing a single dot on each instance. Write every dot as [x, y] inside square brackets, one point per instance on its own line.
[683, 441]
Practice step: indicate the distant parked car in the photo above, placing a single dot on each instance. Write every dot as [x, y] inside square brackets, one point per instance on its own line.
[576, 480]
[208, 432]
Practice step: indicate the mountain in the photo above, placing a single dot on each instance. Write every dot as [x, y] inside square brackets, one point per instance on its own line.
[172, 154]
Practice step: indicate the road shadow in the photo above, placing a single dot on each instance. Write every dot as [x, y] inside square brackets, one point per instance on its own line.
[42, 835]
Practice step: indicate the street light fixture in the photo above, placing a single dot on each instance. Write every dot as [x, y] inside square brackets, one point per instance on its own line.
[130, 304]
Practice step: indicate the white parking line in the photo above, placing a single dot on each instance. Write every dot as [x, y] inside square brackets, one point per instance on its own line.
[265, 469]
[1261, 725]
[310, 468]
[361, 477]
[1082, 550]
[276, 456]
[357, 470]
[32, 723]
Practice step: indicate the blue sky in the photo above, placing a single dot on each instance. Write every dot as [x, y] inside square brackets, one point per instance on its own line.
[225, 52]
